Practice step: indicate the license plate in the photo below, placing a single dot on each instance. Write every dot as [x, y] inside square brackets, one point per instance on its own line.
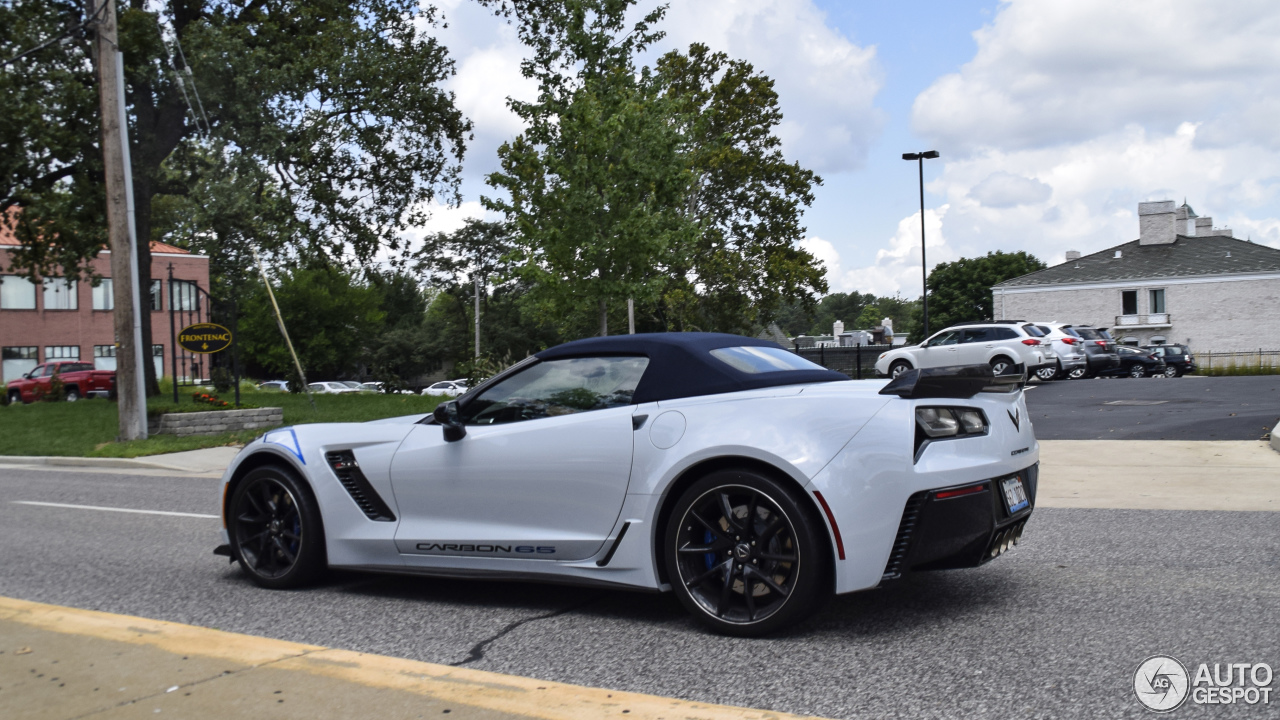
[1015, 497]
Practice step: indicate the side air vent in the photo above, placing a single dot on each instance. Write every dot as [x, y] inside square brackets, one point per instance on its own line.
[906, 529]
[344, 465]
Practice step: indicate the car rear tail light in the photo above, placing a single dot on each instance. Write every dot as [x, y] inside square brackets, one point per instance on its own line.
[1030, 341]
[961, 492]
[1069, 340]
[1103, 343]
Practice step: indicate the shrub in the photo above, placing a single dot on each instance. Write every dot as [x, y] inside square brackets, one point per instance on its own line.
[223, 381]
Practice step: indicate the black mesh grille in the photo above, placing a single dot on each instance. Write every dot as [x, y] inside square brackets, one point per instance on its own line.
[344, 465]
[902, 543]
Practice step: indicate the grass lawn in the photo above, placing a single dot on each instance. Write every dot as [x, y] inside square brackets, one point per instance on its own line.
[88, 427]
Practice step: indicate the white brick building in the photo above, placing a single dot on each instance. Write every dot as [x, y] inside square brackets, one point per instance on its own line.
[1181, 281]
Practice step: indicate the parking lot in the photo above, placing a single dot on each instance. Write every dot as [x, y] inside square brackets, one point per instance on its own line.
[1184, 408]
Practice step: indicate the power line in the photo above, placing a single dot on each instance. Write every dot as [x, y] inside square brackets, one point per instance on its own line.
[47, 43]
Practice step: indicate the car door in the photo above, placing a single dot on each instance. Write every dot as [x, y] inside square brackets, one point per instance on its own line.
[940, 351]
[975, 346]
[541, 472]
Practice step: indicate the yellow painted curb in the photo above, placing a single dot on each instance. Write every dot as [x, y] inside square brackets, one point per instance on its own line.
[511, 694]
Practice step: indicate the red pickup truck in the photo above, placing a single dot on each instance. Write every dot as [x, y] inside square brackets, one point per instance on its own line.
[78, 379]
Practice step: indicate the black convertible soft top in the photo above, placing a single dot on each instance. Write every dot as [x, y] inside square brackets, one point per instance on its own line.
[681, 364]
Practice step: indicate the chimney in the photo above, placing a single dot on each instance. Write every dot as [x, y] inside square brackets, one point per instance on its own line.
[837, 328]
[1186, 219]
[1073, 255]
[1204, 226]
[1157, 223]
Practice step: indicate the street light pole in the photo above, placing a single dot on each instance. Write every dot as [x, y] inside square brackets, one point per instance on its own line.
[924, 266]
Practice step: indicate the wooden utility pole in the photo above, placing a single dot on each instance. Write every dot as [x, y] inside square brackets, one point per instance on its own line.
[130, 386]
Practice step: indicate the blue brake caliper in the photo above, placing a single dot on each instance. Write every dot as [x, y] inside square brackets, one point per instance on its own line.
[709, 558]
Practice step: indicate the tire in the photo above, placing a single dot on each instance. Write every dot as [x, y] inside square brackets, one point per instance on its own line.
[1137, 371]
[1047, 374]
[789, 572]
[1171, 372]
[73, 393]
[1078, 373]
[15, 397]
[898, 367]
[275, 528]
[1000, 363]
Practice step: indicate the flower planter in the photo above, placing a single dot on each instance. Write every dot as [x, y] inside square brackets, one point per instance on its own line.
[216, 422]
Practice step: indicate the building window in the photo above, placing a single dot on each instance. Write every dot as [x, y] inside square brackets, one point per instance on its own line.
[1157, 302]
[18, 361]
[104, 357]
[60, 294]
[157, 358]
[104, 295]
[17, 293]
[61, 352]
[183, 295]
[1129, 299]
[156, 292]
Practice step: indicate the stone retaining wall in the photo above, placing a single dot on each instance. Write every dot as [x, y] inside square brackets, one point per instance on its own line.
[216, 422]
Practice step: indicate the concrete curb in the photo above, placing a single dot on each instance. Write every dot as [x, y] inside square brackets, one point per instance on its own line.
[1275, 438]
[88, 462]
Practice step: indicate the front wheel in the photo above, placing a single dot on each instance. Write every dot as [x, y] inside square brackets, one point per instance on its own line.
[275, 529]
[1137, 371]
[898, 368]
[73, 394]
[745, 555]
[15, 397]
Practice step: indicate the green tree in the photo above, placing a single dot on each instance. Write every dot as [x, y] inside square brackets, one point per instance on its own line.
[961, 290]
[332, 320]
[328, 111]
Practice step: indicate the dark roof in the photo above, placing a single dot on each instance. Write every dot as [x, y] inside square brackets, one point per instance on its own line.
[680, 364]
[1184, 257]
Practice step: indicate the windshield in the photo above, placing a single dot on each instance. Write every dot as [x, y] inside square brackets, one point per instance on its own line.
[1088, 333]
[1034, 331]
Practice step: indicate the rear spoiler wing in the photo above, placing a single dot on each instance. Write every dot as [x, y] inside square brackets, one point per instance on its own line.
[956, 381]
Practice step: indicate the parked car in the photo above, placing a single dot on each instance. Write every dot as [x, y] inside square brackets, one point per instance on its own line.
[330, 387]
[1178, 359]
[1067, 346]
[1135, 363]
[1099, 350]
[447, 388]
[281, 385]
[1000, 344]
[690, 463]
[78, 380]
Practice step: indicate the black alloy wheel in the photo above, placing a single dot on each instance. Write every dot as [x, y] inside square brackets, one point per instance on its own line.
[898, 368]
[275, 529]
[744, 556]
[1137, 371]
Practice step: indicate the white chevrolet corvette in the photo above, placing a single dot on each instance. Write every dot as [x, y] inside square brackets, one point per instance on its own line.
[747, 480]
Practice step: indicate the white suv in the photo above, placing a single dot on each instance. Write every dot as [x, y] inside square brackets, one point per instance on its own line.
[998, 344]
[1066, 345]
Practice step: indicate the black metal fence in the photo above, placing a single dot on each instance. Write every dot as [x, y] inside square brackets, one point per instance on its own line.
[858, 362]
[190, 304]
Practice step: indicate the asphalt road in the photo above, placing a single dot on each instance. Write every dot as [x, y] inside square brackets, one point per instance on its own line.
[1053, 629]
[1185, 408]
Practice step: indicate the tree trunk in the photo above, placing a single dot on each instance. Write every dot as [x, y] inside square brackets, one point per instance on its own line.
[604, 319]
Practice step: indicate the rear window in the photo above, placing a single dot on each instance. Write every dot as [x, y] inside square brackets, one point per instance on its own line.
[1070, 331]
[1088, 333]
[1044, 330]
[1174, 350]
[1034, 331]
[757, 360]
[1105, 335]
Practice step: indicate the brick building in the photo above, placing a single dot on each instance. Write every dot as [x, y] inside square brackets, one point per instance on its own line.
[60, 318]
[1181, 281]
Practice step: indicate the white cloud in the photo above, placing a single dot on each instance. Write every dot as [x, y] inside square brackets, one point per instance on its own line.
[1054, 72]
[897, 268]
[1003, 190]
[826, 84]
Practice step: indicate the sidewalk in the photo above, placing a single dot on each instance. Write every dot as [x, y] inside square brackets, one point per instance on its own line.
[59, 662]
[207, 462]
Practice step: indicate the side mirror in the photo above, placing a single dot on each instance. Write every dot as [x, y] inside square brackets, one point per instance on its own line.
[447, 415]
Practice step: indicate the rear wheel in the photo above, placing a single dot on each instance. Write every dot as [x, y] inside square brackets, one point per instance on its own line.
[1137, 371]
[1078, 373]
[898, 368]
[275, 529]
[1171, 372]
[1047, 373]
[73, 394]
[1001, 364]
[744, 555]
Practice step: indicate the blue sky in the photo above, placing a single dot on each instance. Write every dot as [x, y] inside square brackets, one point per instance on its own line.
[1054, 119]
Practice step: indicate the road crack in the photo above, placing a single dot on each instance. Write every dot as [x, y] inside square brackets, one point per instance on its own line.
[478, 650]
